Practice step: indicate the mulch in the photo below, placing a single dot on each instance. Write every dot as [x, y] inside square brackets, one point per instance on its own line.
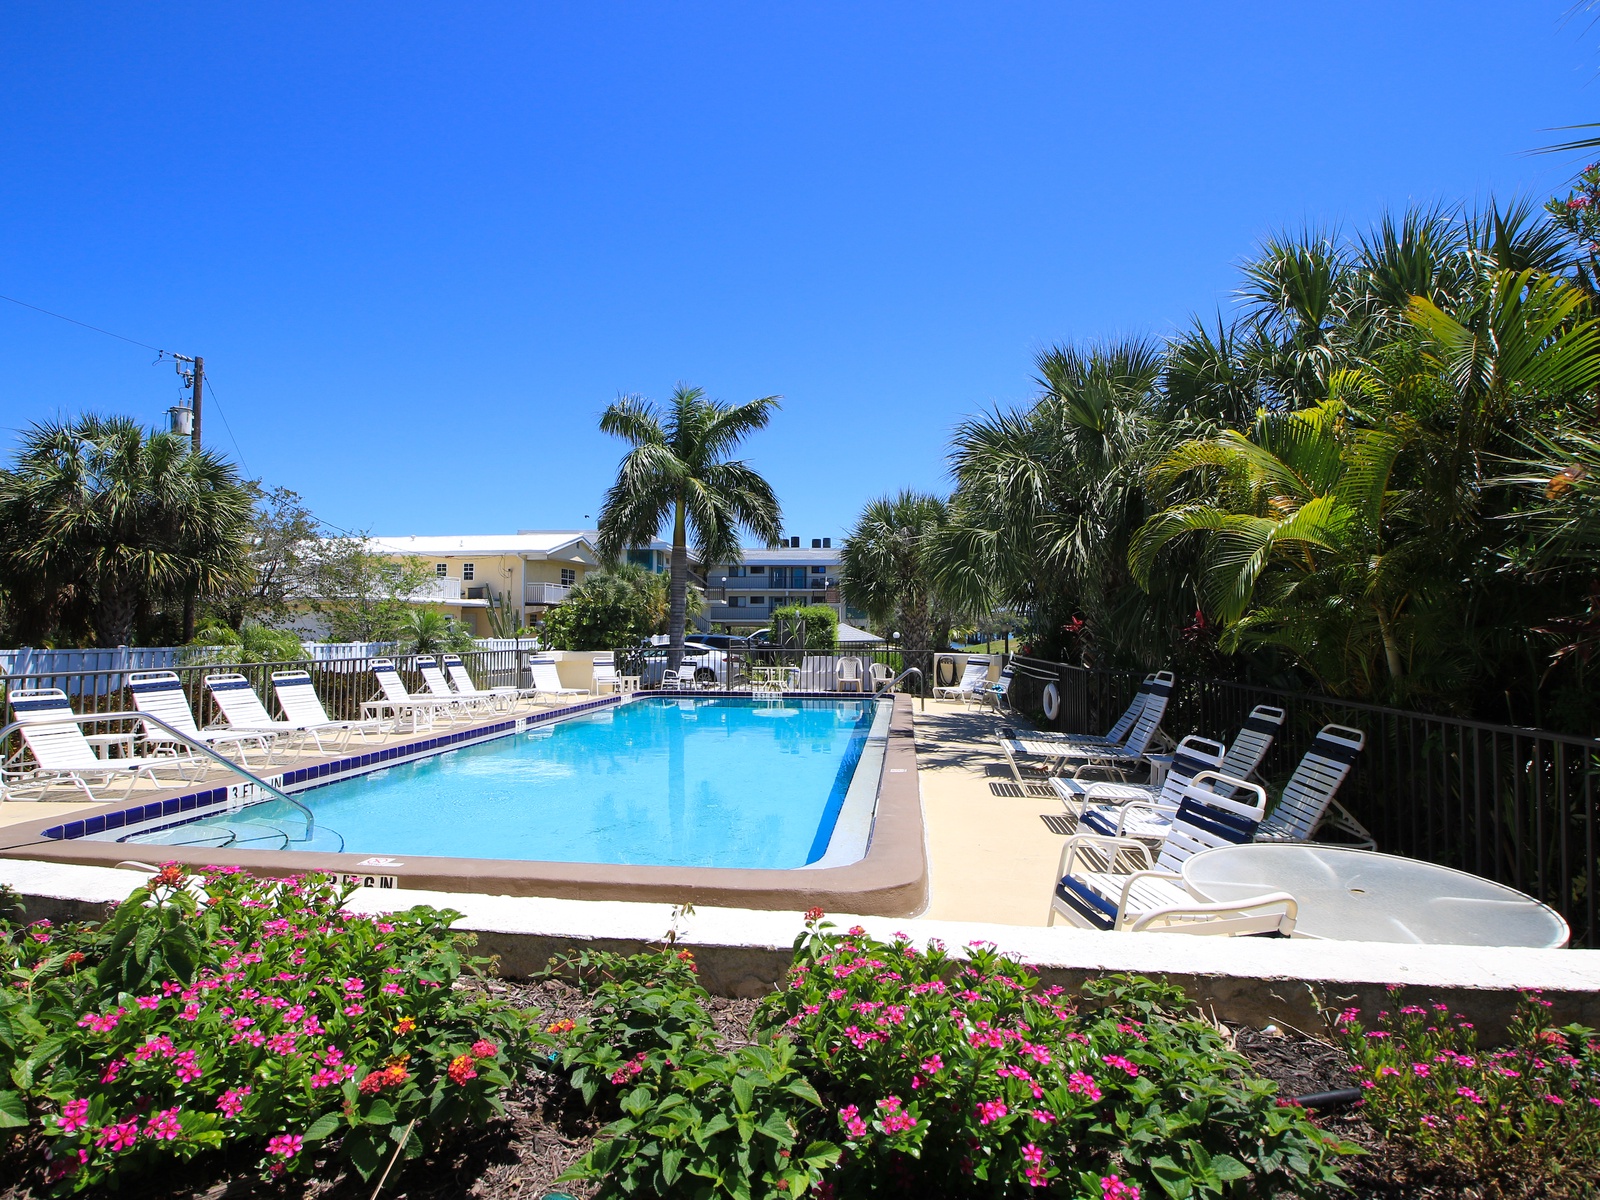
[544, 1131]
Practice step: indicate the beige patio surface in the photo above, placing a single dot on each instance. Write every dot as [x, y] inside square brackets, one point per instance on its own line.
[990, 856]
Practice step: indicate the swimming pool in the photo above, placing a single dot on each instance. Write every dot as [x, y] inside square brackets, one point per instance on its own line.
[688, 782]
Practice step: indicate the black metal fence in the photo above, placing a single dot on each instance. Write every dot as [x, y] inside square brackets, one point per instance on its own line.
[1521, 806]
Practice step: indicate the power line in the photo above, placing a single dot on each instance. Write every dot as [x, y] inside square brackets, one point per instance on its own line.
[85, 324]
[212, 381]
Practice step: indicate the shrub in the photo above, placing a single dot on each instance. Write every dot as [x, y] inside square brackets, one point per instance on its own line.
[605, 611]
[694, 1120]
[821, 625]
[229, 1012]
[1524, 1119]
[882, 1067]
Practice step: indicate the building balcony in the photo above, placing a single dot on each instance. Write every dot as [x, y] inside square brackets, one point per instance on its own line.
[436, 591]
[544, 593]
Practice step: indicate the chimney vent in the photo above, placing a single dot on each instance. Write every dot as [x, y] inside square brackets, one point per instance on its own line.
[816, 543]
[827, 543]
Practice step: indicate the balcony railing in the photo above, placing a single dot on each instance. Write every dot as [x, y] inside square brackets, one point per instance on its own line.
[544, 593]
[436, 591]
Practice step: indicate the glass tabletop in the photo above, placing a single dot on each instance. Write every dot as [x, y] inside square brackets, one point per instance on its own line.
[1363, 896]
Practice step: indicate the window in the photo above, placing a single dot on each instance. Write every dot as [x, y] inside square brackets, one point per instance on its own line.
[819, 570]
[736, 572]
[757, 601]
[439, 569]
[822, 599]
[758, 570]
[466, 572]
[569, 576]
[735, 601]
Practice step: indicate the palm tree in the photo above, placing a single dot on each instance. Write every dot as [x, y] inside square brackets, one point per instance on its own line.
[679, 471]
[889, 568]
[100, 513]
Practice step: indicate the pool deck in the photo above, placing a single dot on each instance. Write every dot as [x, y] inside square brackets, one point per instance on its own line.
[990, 857]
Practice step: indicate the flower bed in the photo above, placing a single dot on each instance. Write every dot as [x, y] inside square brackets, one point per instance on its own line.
[220, 1027]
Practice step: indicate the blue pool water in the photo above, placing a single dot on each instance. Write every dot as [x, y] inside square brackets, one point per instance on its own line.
[704, 782]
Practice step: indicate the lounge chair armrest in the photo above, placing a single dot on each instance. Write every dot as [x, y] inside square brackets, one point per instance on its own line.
[1108, 846]
[1291, 910]
[1134, 877]
[1146, 806]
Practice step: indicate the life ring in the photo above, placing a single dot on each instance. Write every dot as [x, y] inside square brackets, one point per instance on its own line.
[1051, 701]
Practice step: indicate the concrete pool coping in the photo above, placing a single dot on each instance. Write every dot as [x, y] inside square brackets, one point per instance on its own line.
[741, 952]
[891, 879]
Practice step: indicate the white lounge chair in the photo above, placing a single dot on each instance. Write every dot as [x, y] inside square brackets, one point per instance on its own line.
[1118, 733]
[239, 703]
[1308, 801]
[160, 693]
[297, 696]
[467, 703]
[1091, 895]
[974, 678]
[848, 675]
[1142, 809]
[547, 680]
[502, 699]
[1059, 756]
[1100, 804]
[398, 703]
[61, 752]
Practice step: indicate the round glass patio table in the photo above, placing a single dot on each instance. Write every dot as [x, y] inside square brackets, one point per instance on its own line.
[1362, 896]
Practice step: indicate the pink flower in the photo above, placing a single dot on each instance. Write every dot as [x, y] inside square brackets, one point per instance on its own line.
[1080, 1084]
[148, 1002]
[285, 1145]
[1042, 1116]
[354, 986]
[353, 1010]
[850, 1118]
[113, 1069]
[118, 1138]
[990, 1110]
[894, 1120]
[1467, 1093]
[1112, 1188]
[74, 1116]
[1551, 1098]
[933, 1064]
[101, 1022]
[1422, 1070]
[231, 1101]
[484, 1049]
[186, 1066]
[163, 1126]
[1116, 1060]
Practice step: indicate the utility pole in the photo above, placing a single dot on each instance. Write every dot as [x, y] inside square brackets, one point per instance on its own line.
[199, 379]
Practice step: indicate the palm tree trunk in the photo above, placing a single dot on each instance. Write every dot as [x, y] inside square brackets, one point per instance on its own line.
[1391, 649]
[113, 615]
[677, 613]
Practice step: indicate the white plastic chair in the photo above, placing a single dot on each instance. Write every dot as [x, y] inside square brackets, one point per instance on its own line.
[849, 675]
[606, 679]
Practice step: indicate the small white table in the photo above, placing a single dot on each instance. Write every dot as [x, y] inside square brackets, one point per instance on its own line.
[1362, 896]
[103, 742]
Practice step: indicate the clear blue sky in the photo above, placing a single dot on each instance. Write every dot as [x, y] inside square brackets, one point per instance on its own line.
[422, 246]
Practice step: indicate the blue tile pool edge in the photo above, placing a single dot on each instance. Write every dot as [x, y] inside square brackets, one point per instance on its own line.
[197, 805]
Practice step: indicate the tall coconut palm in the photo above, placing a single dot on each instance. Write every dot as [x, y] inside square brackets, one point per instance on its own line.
[120, 519]
[679, 472]
[889, 568]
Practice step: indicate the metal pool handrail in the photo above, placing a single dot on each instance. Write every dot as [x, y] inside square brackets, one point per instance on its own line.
[188, 740]
[922, 684]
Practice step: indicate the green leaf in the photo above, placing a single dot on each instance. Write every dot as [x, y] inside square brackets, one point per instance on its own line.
[670, 1160]
[323, 1126]
[801, 1087]
[744, 1091]
[13, 1111]
[1228, 1168]
[379, 1114]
